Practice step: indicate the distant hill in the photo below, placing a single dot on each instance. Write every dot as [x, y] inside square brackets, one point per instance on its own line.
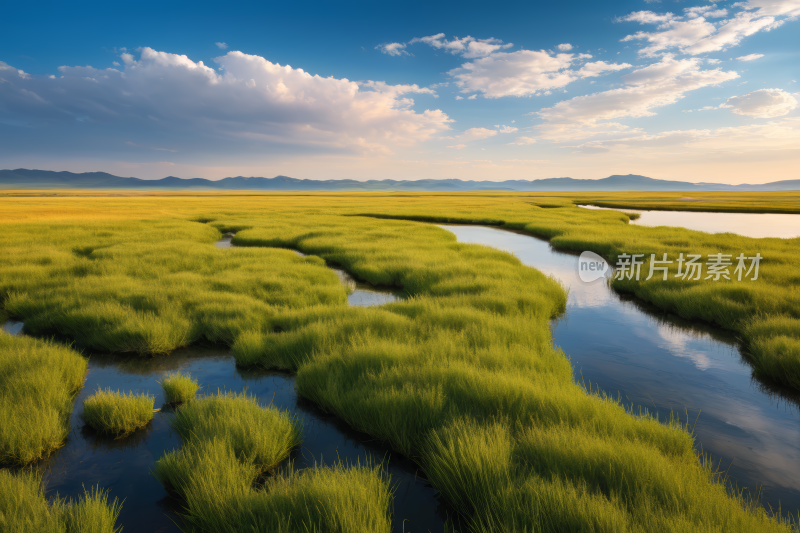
[46, 179]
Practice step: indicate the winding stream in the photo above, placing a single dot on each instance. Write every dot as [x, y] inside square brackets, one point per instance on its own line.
[654, 360]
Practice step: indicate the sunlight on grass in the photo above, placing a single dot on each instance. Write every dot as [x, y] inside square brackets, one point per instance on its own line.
[230, 441]
[38, 384]
[117, 413]
[179, 388]
[24, 507]
[462, 377]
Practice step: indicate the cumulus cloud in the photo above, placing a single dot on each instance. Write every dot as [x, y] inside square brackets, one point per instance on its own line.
[750, 57]
[249, 98]
[222, 46]
[763, 103]
[692, 33]
[566, 47]
[468, 47]
[525, 72]
[392, 49]
[654, 86]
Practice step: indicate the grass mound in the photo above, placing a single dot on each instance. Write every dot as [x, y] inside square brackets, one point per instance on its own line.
[230, 441]
[260, 435]
[179, 388]
[38, 384]
[24, 508]
[117, 413]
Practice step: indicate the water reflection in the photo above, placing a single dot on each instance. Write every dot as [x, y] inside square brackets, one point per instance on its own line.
[13, 328]
[124, 465]
[756, 225]
[654, 360]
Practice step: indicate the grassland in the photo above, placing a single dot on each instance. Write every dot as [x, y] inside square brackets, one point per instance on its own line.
[24, 508]
[462, 377]
[38, 384]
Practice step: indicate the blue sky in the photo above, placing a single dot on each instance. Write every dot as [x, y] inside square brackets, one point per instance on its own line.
[696, 91]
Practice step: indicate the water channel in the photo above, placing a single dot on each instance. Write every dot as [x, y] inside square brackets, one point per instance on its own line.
[654, 360]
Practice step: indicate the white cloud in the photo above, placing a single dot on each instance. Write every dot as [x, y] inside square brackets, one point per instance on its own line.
[709, 11]
[458, 146]
[392, 49]
[598, 68]
[473, 97]
[647, 17]
[566, 47]
[693, 34]
[468, 47]
[459, 97]
[476, 134]
[654, 86]
[763, 103]
[397, 90]
[251, 98]
[507, 129]
[749, 57]
[525, 72]
[520, 141]
[222, 46]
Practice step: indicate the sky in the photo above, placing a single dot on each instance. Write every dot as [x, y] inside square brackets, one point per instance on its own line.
[692, 90]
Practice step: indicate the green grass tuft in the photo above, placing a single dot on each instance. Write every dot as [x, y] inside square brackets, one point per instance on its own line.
[260, 435]
[24, 508]
[117, 413]
[230, 441]
[179, 388]
[39, 381]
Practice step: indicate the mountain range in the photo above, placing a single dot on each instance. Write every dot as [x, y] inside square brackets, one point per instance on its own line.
[46, 179]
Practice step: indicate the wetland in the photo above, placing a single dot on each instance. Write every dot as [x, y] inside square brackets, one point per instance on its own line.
[440, 374]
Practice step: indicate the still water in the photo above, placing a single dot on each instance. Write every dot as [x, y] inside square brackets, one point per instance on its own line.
[654, 360]
[756, 225]
[124, 466]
